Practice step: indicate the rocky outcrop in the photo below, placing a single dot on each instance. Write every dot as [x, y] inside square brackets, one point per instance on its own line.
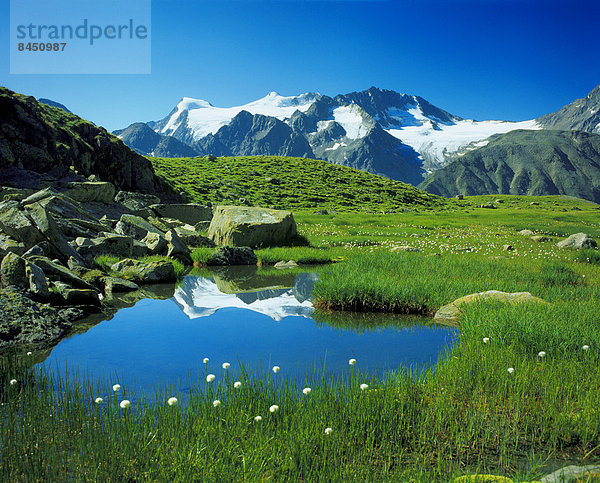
[99, 192]
[145, 272]
[252, 227]
[233, 256]
[451, 312]
[190, 213]
[578, 241]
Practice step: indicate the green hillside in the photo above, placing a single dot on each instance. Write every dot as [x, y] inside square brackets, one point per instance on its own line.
[284, 182]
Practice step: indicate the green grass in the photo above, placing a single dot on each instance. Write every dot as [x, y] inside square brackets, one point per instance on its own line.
[301, 255]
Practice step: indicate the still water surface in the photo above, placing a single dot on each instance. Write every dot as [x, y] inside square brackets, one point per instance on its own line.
[247, 319]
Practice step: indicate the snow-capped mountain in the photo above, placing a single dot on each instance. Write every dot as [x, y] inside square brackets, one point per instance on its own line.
[381, 131]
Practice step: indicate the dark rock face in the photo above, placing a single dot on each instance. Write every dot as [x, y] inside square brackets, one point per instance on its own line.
[580, 115]
[233, 256]
[145, 141]
[47, 143]
[525, 163]
[24, 321]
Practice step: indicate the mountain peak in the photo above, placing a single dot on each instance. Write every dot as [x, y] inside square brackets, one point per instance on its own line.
[189, 103]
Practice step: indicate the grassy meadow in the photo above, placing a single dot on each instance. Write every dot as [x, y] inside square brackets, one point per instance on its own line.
[518, 395]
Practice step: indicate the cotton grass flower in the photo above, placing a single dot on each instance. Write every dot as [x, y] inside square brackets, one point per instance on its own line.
[541, 354]
[586, 347]
[226, 365]
[210, 378]
[205, 360]
[29, 353]
[98, 400]
[116, 387]
[257, 418]
[216, 403]
[274, 408]
[13, 382]
[352, 362]
[306, 391]
[328, 431]
[364, 386]
[172, 401]
[511, 370]
[486, 340]
[276, 369]
[125, 403]
[237, 384]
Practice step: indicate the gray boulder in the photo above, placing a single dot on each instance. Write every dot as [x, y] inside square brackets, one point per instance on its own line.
[139, 203]
[113, 285]
[7, 244]
[283, 265]
[77, 296]
[12, 271]
[192, 238]
[156, 244]
[526, 232]
[38, 285]
[136, 227]
[176, 248]
[107, 244]
[190, 213]
[42, 249]
[233, 256]
[101, 192]
[252, 227]
[578, 241]
[145, 272]
[18, 225]
[55, 271]
[139, 249]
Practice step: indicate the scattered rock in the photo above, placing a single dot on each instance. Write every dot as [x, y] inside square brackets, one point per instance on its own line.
[18, 225]
[137, 202]
[12, 271]
[459, 197]
[488, 205]
[7, 244]
[499, 201]
[526, 232]
[55, 271]
[233, 256]
[101, 192]
[572, 473]
[534, 203]
[76, 296]
[578, 241]
[24, 321]
[145, 272]
[253, 227]
[190, 213]
[192, 238]
[113, 284]
[404, 248]
[39, 250]
[452, 310]
[176, 248]
[135, 227]
[321, 212]
[541, 238]
[157, 245]
[283, 265]
[508, 248]
[38, 285]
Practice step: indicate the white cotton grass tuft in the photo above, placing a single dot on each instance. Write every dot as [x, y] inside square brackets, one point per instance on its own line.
[364, 386]
[210, 378]
[216, 403]
[237, 384]
[257, 418]
[125, 403]
[226, 365]
[328, 431]
[274, 408]
[172, 401]
[486, 340]
[98, 400]
[13, 382]
[205, 360]
[352, 362]
[276, 369]
[29, 353]
[511, 370]
[306, 390]
[541, 354]
[586, 347]
[116, 387]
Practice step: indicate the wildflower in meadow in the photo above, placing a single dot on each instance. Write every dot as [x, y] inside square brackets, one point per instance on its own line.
[586, 347]
[486, 340]
[226, 365]
[205, 360]
[216, 403]
[328, 431]
[172, 401]
[511, 370]
[125, 404]
[306, 390]
[210, 378]
[13, 382]
[541, 354]
[257, 418]
[98, 400]
[364, 386]
[116, 387]
[276, 369]
[274, 408]
[237, 384]
[352, 362]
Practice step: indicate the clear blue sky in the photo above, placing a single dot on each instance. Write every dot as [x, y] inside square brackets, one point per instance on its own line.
[482, 59]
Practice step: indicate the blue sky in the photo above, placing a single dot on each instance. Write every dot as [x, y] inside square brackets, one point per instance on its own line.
[486, 59]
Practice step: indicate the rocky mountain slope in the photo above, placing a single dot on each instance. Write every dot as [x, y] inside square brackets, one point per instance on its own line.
[580, 115]
[380, 131]
[525, 163]
[41, 145]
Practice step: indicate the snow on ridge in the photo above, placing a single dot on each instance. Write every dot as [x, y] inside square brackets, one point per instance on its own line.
[350, 118]
[436, 144]
[203, 118]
